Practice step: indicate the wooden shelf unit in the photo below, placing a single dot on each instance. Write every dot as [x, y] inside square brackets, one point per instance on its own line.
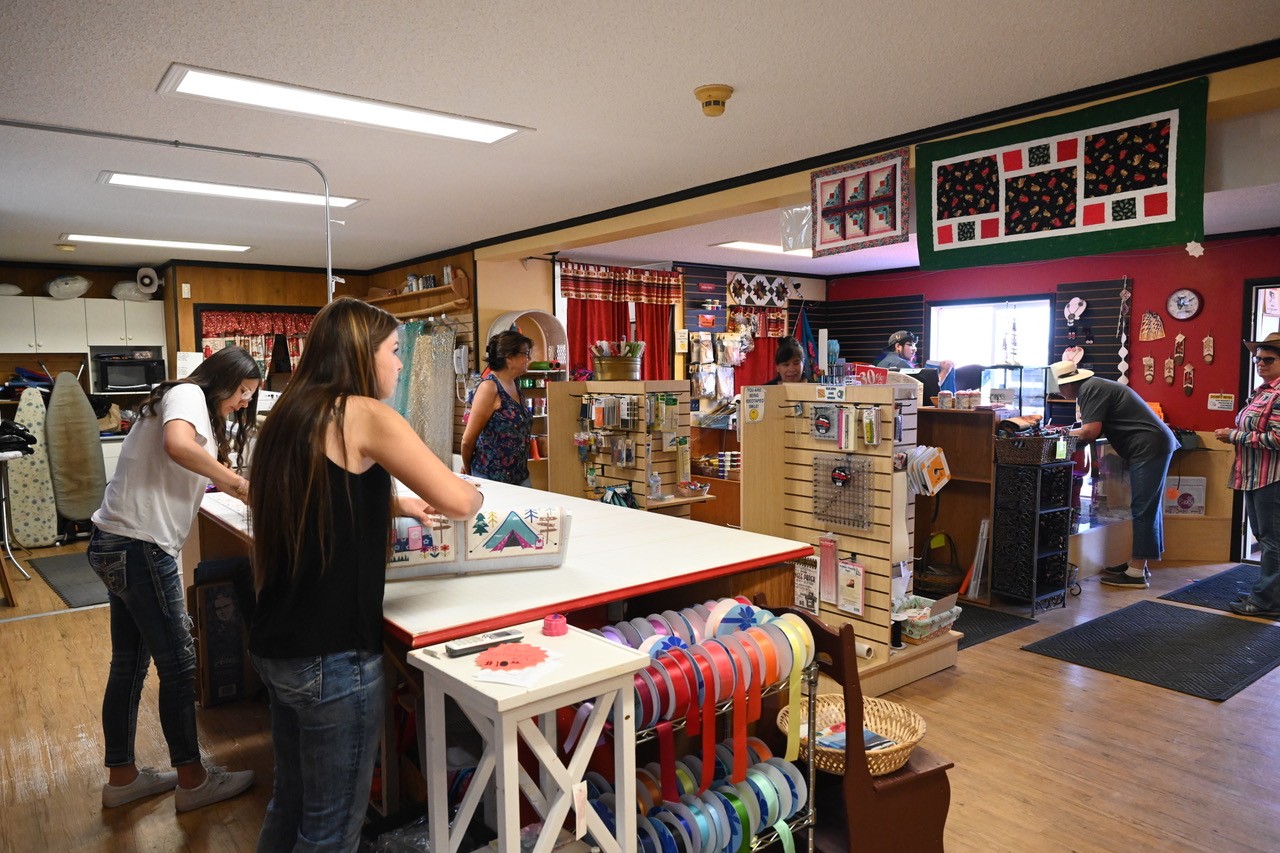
[567, 472]
[967, 437]
[777, 473]
[726, 509]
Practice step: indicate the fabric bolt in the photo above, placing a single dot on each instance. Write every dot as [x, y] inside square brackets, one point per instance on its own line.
[326, 722]
[408, 335]
[502, 449]
[148, 620]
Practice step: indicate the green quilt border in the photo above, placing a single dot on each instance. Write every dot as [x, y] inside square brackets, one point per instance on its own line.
[1190, 99]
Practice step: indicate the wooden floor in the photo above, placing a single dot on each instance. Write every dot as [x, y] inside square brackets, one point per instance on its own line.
[1049, 756]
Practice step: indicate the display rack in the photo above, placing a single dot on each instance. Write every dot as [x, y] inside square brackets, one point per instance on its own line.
[584, 474]
[725, 510]
[1032, 532]
[779, 451]
[807, 816]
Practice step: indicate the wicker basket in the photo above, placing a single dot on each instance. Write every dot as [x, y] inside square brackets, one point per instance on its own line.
[894, 721]
[1032, 450]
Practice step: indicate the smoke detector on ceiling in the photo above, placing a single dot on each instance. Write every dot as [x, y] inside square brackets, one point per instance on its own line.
[713, 97]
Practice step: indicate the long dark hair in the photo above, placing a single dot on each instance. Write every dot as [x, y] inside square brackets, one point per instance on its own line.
[219, 376]
[289, 487]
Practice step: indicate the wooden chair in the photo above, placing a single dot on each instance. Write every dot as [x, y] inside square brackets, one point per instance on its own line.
[903, 811]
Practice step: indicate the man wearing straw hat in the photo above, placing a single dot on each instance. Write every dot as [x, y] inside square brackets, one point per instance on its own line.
[1141, 439]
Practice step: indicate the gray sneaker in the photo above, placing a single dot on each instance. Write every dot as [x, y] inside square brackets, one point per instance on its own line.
[1122, 579]
[1124, 567]
[219, 785]
[149, 781]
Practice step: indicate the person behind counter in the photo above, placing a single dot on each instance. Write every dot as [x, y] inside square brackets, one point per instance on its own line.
[495, 443]
[180, 443]
[1256, 472]
[788, 361]
[901, 355]
[322, 506]
[1141, 439]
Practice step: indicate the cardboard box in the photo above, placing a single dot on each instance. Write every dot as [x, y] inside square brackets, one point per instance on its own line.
[1184, 496]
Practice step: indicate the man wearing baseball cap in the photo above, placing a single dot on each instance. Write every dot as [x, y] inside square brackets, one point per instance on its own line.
[901, 355]
[1140, 438]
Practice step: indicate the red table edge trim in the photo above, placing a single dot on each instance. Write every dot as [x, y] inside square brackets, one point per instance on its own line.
[480, 626]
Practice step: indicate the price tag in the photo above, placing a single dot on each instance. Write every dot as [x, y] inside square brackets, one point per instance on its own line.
[1222, 402]
[831, 393]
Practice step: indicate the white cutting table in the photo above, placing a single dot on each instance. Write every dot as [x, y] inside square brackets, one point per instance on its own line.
[613, 554]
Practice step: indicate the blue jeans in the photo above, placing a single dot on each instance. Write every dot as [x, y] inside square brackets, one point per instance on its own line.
[1262, 506]
[326, 719]
[1146, 504]
[148, 620]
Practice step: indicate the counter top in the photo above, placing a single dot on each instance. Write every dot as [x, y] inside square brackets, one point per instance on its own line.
[614, 553]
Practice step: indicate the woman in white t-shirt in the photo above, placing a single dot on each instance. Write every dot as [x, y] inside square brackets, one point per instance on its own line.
[181, 442]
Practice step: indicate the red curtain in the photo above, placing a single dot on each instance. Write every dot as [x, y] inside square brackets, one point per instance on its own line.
[757, 368]
[215, 324]
[591, 320]
[653, 326]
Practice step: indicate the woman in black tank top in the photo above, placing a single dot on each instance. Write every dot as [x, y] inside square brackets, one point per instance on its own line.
[322, 504]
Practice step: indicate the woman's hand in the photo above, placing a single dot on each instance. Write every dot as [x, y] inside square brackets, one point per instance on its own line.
[1223, 435]
[415, 507]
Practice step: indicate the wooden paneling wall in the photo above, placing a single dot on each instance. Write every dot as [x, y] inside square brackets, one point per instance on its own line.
[863, 326]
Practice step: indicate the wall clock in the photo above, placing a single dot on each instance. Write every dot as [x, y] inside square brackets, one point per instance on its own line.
[1184, 303]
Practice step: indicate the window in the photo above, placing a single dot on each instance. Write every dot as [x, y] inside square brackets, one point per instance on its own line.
[1003, 332]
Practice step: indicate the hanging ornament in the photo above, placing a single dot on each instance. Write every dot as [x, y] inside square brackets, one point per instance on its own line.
[1088, 335]
[1152, 328]
[1073, 354]
[1208, 348]
[1149, 368]
[1122, 332]
[1168, 371]
[1179, 351]
[1188, 380]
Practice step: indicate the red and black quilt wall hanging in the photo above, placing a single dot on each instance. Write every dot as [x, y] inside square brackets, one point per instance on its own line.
[1127, 174]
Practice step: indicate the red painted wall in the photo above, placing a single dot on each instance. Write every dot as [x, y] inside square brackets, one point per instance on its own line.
[1218, 275]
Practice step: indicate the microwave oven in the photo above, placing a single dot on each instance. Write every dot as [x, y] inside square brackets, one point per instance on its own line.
[123, 373]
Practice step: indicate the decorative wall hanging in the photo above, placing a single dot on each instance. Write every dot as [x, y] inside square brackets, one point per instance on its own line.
[1188, 380]
[861, 204]
[1179, 348]
[758, 290]
[1149, 368]
[1122, 331]
[1152, 328]
[1207, 343]
[1122, 175]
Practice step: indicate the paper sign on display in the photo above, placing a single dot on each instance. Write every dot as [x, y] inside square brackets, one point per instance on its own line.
[869, 374]
[753, 396]
[806, 584]
[852, 582]
[1222, 402]
[682, 340]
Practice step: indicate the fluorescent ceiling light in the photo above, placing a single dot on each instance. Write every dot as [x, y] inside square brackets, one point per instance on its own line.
[163, 244]
[771, 248]
[178, 185]
[263, 94]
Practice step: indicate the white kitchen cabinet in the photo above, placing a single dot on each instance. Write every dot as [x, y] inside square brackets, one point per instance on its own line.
[117, 322]
[42, 324]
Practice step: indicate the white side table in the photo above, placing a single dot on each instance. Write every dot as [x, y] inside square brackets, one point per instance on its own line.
[591, 668]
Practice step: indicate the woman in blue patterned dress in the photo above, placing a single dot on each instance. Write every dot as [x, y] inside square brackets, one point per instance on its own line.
[495, 444]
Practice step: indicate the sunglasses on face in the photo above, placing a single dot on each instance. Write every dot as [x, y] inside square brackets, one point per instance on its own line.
[1264, 359]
